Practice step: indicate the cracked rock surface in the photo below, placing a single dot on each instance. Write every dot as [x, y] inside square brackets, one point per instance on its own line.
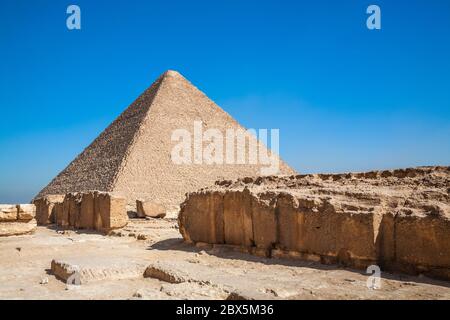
[397, 219]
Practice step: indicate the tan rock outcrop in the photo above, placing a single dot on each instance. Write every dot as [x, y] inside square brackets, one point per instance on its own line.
[17, 228]
[17, 219]
[150, 209]
[398, 219]
[207, 224]
[91, 210]
[61, 215]
[45, 213]
[26, 212]
[110, 212]
[8, 213]
[72, 208]
[94, 269]
[87, 211]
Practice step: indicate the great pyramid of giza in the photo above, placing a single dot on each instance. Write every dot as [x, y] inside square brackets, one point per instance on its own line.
[133, 155]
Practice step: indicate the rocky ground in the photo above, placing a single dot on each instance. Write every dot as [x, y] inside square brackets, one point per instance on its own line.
[149, 260]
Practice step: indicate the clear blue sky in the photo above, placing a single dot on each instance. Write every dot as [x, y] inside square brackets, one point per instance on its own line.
[344, 97]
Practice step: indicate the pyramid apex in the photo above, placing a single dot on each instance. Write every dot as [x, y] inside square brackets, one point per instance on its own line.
[172, 73]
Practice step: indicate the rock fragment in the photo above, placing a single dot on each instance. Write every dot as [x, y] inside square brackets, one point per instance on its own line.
[150, 209]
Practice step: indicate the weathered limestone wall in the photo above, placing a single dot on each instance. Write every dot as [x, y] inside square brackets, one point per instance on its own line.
[17, 219]
[399, 220]
[45, 212]
[83, 210]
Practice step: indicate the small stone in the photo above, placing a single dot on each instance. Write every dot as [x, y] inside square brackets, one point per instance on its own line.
[193, 261]
[141, 237]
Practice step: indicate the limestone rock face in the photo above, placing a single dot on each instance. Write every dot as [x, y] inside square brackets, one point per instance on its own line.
[397, 219]
[17, 228]
[61, 215]
[8, 213]
[17, 219]
[26, 212]
[91, 210]
[110, 212]
[97, 269]
[150, 209]
[87, 211]
[45, 212]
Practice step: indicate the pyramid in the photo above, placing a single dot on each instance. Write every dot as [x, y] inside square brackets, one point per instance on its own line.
[132, 156]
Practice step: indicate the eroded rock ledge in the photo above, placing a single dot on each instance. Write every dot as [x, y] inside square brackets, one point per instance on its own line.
[17, 219]
[397, 219]
[101, 211]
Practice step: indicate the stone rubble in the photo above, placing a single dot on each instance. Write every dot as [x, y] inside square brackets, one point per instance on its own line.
[17, 220]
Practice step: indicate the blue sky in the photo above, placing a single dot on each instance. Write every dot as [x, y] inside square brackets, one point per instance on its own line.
[345, 98]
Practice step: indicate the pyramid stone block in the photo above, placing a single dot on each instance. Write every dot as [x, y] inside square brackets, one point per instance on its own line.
[207, 224]
[264, 218]
[61, 215]
[91, 210]
[237, 214]
[150, 209]
[45, 213]
[110, 212]
[87, 211]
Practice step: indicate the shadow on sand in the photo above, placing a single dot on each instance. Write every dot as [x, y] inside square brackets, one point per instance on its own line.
[224, 252]
[56, 228]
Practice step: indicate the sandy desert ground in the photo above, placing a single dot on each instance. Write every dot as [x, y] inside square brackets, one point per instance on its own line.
[113, 267]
